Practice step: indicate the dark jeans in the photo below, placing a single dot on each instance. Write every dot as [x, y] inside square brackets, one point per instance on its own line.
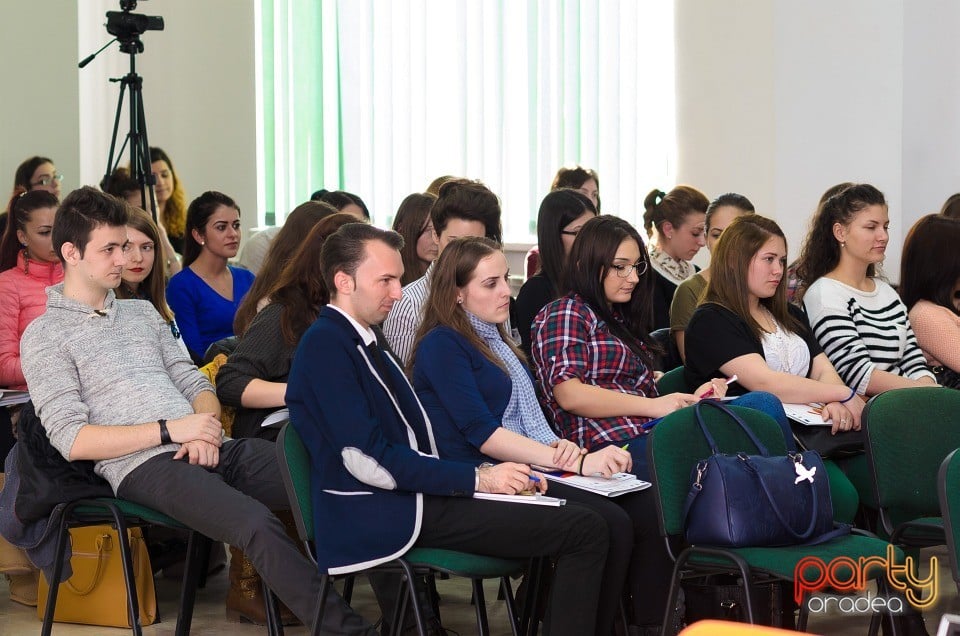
[573, 535]
[231, 503]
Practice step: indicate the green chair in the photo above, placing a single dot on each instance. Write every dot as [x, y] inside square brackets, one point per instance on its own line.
[673, 381]
[948, 491]
[674, 448]
[295, 469]
[909, 433]
[122, 514]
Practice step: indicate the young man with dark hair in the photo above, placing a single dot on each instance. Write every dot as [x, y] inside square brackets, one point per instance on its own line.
[378, 485]
[463, 208]
[110, 384]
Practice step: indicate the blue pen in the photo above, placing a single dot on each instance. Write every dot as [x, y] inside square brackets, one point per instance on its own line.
[534, 479]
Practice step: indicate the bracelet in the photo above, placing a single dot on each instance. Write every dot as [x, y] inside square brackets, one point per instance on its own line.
[580, 465]
[853, 394]
[164, 433]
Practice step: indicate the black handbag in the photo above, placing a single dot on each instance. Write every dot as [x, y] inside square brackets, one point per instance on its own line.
[759, 500]
[818, 438]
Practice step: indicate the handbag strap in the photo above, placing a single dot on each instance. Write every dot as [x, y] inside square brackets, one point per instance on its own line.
[103, 544]
[736, 418]
[800, 536]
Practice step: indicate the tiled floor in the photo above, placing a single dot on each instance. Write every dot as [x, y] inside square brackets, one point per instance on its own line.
[458, 614]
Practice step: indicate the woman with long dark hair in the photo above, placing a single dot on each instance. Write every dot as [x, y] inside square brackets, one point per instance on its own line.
[562, 214]
[412, 222]
[482, 405]
[930, 288]
[858, 318]
[28, 265]
[254, 378]
[678, 217]
[295, 229]
[205, 295]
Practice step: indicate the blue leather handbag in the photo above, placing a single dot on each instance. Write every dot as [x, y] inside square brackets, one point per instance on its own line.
[746, 500]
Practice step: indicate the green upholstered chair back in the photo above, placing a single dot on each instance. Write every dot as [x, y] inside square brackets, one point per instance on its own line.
[909, 432]
[948, 490]
[673, 382]
[676, 445]
[295, 469]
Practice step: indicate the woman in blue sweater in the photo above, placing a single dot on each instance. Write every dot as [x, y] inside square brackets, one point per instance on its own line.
[481, 402]
[205, 294]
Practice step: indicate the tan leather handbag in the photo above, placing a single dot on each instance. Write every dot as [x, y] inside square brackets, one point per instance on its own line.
[96, 593]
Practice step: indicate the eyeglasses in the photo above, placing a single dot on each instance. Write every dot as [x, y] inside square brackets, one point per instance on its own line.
[571, 232]
[47, 180]
[624, 271]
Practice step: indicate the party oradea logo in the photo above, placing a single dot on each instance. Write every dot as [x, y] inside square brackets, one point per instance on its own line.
[845, 575]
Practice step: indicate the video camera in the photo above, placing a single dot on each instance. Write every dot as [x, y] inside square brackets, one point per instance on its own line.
[127, 26]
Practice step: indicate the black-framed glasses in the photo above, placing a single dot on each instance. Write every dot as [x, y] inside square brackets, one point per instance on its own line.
[624, 271]
[572, 233]
[48, 179]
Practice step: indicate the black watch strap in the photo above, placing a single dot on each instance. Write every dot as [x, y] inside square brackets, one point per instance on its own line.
[164, 433]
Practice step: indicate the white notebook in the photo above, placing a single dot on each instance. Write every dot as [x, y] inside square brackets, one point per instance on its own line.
[808, 414]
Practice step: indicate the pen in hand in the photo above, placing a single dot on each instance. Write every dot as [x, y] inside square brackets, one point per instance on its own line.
[710, 391]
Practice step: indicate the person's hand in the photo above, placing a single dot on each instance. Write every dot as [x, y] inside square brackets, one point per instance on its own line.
[667, 404]
[507, 478]
[198, 452]
[566, 454]
[607, 461]
[204, 427]
[717, 388]
[843, 420]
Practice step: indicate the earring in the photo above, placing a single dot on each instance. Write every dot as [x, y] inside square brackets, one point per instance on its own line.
[843, 243]
[459, 301]
[203, 242]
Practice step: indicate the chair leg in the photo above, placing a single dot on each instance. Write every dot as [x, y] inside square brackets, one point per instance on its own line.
[204, 559]
[412, 595]
[348, 589]
[482, 627]
[197, 545]
[507, 592]
[272, 610]
[133, 609]
[325, 583]
[672, 597]
[804, 612]
[531, 600]
[54, 586]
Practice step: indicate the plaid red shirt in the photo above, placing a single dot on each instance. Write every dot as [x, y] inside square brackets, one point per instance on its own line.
[571, 341]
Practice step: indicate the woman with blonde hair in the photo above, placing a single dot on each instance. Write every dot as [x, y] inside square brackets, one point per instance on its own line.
[171, 198]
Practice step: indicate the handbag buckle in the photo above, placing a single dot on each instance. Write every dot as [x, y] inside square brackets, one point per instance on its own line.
[701, 469]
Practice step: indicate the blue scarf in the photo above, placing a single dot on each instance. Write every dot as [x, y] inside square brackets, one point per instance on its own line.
[523, 414]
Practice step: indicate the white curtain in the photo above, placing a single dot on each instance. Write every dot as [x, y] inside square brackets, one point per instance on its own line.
[379, 97]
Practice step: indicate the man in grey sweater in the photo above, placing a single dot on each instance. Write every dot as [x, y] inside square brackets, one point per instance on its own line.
[110, 384]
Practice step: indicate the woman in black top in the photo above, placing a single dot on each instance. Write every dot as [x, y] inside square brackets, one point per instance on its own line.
[562, 214]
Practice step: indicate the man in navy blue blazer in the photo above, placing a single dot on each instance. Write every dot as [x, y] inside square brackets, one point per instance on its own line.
[378, 486]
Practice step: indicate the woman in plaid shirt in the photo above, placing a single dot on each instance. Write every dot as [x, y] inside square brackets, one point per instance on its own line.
[594, 370]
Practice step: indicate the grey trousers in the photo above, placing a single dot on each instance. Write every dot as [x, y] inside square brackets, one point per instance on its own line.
[231, 503]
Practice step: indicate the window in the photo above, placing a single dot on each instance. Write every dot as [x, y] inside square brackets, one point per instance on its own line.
[379, 97]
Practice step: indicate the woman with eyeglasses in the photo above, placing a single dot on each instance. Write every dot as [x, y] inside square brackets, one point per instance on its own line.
[591, 353]
[720, 213]
[562, 214]
[412, 222]
[36, 173]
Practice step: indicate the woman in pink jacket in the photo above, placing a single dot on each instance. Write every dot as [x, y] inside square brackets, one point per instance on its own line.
[28, 265]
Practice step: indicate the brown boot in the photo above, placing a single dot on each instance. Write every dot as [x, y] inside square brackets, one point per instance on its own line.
[23, 587]
[13, 560]
[245, 602]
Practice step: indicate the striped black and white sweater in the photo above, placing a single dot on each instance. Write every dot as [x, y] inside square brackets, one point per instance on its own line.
[864, 331]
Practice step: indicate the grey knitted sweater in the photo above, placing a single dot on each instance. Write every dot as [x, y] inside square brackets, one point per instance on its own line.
[117, 367]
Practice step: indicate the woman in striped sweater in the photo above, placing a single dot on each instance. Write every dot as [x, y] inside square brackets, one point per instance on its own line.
[858, 318]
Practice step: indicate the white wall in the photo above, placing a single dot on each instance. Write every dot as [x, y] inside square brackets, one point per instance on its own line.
[780, 100]
[38, 103]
